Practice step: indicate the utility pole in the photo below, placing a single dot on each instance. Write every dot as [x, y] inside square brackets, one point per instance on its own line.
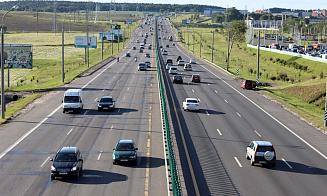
[213, 39]
[193, 42]
[87, 34]
[228, 50]
[326, 107]
[258, 58]
[102, 45]
[200, 42]
[188, 40]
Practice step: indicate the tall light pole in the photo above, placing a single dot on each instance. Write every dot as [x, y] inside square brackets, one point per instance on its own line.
[3, 104]
[62, 50]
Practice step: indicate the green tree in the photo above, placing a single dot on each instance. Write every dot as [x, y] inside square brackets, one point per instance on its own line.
[236, 31]
[161, 11]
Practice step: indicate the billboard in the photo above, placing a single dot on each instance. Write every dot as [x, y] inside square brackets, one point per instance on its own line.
[107, 36]
[128, 22]
[18, 56]
[80, 42]
[116, 32]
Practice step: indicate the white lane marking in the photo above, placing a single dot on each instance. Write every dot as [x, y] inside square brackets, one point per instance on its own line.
[103, 90]
[199, 100]
[226, 101]
[111, 127]
[216, 91]
[46, 118]
[28, 133]
[219, 131]
[208, 84]
[207, 113]
[118, 110]
[96, 99]
[114, 76]
[99, 156]
[192, 90]
[69, 131]
[124, 98]
[257, 133]
[238, 161]
[45, 162]
[296, 135]
[128, 88]
[238, 114]
[87, 111]
[287, 163]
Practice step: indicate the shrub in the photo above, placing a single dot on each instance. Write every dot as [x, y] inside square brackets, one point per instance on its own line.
[321, 75]
[273, 78]
[313, 77]
[271, 59]
[282, 76]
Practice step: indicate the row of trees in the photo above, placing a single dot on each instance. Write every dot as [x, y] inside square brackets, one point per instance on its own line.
[68, 6]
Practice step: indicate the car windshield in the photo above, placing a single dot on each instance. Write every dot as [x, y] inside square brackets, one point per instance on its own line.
[71, 99]
[125, 147]
[192, 101]
[196, 76]
[178, 77]
[107, 99]
[265, 148]
[65, 157]
[173, 68]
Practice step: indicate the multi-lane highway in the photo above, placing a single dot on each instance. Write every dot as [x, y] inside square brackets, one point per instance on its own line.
[229, 119]
[210, 144]
[30, 140]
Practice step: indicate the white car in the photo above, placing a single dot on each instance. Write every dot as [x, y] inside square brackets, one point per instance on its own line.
[148, 63]
[192, 61]
[180, 63]
[262, 152]
[137, 41]
[191, 104]
[165, 52]
[188, 67]
[169, 65]
[173, 70]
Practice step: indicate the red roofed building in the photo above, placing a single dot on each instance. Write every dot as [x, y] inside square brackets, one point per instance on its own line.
[319, 13]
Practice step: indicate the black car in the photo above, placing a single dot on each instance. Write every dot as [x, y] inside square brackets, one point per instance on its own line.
[134, 48]
[106, 103]
[178, 79]
[167, 46]
[68, 162]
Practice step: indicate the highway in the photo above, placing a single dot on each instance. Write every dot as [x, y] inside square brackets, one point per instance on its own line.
[229, 119]
[210, 143]
[29, 141]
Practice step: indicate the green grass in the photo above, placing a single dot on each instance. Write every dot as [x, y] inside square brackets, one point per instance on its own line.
[19, 104]
[245, 60]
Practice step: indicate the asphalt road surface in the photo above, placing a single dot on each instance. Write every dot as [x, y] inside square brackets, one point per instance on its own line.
[29, 141]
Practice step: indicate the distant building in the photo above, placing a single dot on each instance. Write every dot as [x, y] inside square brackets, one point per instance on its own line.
[319, 13]
[209, 11]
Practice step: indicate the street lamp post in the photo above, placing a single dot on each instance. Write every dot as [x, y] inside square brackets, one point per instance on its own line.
[3, 104]
[63, 53]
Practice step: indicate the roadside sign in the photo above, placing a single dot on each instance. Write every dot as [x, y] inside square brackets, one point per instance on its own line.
[107, 36]
[18, 56]
[81, 42]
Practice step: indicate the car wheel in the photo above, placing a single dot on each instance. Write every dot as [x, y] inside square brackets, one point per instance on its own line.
[77, 175]
[53, 178]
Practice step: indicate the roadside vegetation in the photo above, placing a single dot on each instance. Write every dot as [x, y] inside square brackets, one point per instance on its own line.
[47, 46]
[298, 83]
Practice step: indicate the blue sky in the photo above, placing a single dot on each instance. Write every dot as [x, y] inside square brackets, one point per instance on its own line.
[252, 5]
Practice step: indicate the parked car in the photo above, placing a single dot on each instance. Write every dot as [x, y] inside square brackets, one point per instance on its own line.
[68, 162]
[125, 152]
[178, 79]
[195, 78]
[165, 52]
[192, 61]
[134, 48]
[137, 41]
[106, 103]
[141, 50]
[167, 46]
[261, 152]
[128, 54]
[191, 104]
[187, 67]
[147, 55]
[247, 84]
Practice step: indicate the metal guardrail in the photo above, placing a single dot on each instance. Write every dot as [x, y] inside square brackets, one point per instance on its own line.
[94, 66]
[176, 188]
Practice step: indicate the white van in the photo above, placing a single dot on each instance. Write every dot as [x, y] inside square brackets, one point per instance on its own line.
[72, 101]
[141, 45]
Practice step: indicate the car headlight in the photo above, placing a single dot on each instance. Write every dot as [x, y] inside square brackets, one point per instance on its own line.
[100, 106]
[111, 105]
[74, 168]
[132, 157]
[53, 168]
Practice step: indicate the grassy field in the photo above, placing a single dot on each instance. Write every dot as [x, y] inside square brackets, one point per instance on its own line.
[46, 72]
[298, 83]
